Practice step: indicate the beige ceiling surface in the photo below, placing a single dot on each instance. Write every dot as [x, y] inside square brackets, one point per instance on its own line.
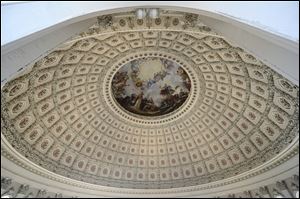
[61, 115]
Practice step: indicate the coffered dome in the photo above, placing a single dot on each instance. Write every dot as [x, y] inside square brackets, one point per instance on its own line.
[149, 104]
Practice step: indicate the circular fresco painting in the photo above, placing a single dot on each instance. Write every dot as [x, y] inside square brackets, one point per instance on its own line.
[151, 86]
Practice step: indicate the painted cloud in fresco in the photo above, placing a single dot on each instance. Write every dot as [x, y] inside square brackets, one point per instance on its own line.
[151, 86]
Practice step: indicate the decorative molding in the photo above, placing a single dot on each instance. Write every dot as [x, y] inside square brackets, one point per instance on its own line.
[11, 188]
[239, 119]
[8, 151]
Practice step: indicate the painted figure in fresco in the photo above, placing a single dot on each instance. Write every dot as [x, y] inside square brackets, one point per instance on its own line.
[150, 83]
[163, 89]
[119, 82]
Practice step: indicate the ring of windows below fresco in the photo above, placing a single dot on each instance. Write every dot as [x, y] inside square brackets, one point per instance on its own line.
[151, 86]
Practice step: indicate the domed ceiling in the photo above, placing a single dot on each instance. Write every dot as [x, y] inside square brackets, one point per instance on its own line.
[149, 103]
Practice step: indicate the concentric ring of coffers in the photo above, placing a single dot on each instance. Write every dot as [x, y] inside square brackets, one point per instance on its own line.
[59, 111]
[151, 53]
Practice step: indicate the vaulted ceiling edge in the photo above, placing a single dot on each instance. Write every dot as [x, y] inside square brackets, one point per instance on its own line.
[88, 111]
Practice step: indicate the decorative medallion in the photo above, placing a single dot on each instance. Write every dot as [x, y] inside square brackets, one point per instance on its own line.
[151, 86]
